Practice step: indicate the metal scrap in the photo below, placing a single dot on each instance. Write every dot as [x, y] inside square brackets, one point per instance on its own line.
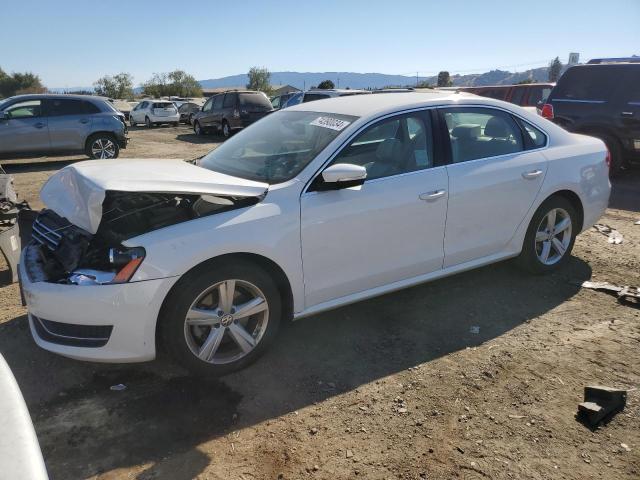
[625, 294]
[613, 235]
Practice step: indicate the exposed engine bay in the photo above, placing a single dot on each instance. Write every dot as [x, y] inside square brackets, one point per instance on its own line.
[62, 252]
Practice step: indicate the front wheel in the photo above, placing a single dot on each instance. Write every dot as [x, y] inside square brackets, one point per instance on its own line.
[102, 146]
[132, 123]
[550, 236]
[226, 130]
[147, 122]
[197, 128]
[219, 320]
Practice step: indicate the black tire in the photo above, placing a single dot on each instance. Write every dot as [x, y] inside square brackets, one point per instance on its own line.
[147, 122]
[108, 141]
[528, 258]
[618, 163]
[197, 128]
[131, 122]
[175, 124]
[171, 327]
[226, 129]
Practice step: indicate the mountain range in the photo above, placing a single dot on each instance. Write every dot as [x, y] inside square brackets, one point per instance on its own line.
[306, 80]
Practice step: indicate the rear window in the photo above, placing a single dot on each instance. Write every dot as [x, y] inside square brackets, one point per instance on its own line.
[593, 83]
[255, 100]
[310, 97]
[163, 105]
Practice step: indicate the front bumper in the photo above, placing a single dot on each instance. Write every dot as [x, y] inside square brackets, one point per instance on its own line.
[130, 309]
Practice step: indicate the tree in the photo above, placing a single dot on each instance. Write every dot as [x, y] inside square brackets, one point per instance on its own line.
[555, 68]
[156, 86]
[444, 80]
[525, 81]
[259, 79]
[183, 85]
[119, 86]
[18, 83]
[326, 85]
[424, 84]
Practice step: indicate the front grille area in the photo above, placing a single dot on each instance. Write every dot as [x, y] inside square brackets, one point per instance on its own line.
[45, 235]
[72, 335]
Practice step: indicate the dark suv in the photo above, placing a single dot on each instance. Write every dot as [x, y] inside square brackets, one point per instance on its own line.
[231, 111]
[601, 99]
[61, 124]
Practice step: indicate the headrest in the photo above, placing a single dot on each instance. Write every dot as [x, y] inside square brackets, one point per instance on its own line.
[389, 149]
[466, 131]
[497, 127]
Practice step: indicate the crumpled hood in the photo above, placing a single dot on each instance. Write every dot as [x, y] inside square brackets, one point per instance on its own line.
[77, 191]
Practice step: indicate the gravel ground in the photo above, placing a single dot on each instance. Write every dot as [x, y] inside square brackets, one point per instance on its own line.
[475, 376]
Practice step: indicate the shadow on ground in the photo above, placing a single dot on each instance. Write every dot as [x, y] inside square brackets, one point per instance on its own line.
[85, 428]
[625, 191]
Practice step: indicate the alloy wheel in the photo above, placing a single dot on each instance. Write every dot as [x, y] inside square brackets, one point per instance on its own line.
[553, 236]
[225, 130]
[226, 321]
[103, 148]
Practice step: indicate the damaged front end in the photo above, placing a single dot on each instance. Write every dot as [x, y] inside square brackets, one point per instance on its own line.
[62, 252]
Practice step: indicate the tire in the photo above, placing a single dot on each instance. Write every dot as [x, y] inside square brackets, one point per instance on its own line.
[190, 120]
[231, 340]
[147, 122]
[175, 124]
[131, 122]
[102, 146]
[197, 128]
[563, 236]
[615, 149]
[226, 129]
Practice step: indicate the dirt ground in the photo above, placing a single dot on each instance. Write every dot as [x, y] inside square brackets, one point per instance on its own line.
[476, 376]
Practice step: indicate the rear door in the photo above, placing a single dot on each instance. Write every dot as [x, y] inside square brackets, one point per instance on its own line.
[70, 123]
[627, 115]
[494, 177]
[214, 118]
[25, 128]
[253, 106]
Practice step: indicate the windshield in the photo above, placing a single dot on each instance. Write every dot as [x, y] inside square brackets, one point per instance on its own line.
[276, 148]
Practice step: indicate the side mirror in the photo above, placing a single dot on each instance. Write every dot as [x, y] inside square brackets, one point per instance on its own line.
[343, 175]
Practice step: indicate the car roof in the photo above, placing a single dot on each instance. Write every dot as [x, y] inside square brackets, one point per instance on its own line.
[369, 105]
[38, 96]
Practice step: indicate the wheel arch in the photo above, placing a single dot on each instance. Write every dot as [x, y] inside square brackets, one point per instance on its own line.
[573, 198]
[280, 278]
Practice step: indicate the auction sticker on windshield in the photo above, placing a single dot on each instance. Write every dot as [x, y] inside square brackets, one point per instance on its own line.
[330, 122]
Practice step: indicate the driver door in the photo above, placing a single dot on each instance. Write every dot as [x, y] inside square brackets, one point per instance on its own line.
[25, 128]
[387, 230]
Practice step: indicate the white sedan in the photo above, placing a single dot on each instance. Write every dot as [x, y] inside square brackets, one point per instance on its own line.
[313, 207]
[154, 112]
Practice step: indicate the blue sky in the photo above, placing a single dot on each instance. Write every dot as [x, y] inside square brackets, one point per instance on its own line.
[72, 43]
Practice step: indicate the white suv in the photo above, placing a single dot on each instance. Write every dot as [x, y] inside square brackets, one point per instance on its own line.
[310, 208]
[154, 112]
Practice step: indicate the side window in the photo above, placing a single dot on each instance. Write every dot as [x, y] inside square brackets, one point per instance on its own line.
[517, 95]
[63, 107]
[207, 106]
[533, 136]
[481, 132]
[391, 147]
[229, 100]
[275, 102]
[537, 95]
[217, 102]
[89, 107]
[26, 109]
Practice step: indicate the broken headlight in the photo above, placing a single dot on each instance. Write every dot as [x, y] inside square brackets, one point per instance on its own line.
[126, 262]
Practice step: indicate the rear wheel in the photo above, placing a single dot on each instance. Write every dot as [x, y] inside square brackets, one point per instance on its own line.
[617, 161]
[102, 145]
[197, 128]
[219, 320]
[550, 236]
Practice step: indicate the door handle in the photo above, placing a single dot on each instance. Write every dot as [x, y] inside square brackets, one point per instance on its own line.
[39, 125]
[532, 174]
[627, 114]
[431, 196]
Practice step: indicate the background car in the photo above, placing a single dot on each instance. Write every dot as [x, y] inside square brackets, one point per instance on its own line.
[528, 95]
[279, 101]
[187, 111]
[154, 112]
[61, 124]
[602, 99]
[319, 94]
[231, 111]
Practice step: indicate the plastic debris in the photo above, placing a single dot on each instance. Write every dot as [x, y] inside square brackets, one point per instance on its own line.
[601, 403]
[625, 294]
[613, 235]
[118, 388]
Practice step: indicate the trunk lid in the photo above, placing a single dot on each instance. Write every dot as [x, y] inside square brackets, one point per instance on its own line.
[77, 191]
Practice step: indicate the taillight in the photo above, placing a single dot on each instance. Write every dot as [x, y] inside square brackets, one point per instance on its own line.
[547, 111]
[607, 158]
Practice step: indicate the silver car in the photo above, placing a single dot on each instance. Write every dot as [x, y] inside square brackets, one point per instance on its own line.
[61, 124]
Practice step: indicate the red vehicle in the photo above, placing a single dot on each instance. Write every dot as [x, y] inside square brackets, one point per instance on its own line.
[525, 95]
